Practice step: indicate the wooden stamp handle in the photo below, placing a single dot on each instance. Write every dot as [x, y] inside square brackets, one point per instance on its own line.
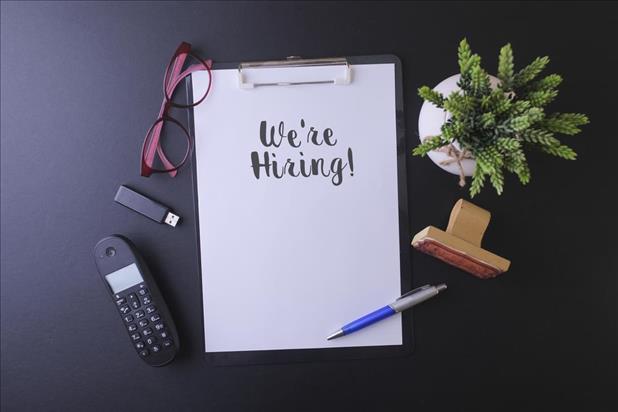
[468, 222]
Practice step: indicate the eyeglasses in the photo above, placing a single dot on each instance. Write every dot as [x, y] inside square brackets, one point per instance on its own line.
[183, 63]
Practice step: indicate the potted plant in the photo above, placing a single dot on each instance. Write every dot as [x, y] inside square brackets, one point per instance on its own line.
[483, 125]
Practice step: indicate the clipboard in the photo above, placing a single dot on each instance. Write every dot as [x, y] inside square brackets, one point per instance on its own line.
[345, 76]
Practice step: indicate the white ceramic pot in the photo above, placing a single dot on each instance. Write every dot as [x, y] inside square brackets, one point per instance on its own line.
[431, 119]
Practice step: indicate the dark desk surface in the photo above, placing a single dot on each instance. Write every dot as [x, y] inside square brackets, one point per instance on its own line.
[80, 85]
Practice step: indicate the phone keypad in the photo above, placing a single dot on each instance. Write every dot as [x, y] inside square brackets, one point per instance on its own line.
[145, 334]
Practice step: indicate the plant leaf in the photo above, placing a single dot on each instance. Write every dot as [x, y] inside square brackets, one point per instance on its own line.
[505, 67]
[431, 96]
[530, 71]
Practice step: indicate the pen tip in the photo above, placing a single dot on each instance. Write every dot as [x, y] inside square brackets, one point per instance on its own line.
[441, 287]
[335, 335]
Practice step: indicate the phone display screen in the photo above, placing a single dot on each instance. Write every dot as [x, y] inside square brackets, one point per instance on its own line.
[124, 278]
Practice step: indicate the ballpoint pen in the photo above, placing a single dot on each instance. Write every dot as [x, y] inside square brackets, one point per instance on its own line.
[406, 301]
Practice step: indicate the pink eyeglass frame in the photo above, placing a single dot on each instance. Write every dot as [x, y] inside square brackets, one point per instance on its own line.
[173, 76]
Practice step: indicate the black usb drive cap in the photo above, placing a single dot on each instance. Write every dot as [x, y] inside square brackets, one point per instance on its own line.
[145, 206]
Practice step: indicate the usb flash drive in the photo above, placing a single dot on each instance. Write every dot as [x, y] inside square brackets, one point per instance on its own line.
[146, 206]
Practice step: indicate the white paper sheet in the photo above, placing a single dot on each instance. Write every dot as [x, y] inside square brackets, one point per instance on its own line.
[287, 261]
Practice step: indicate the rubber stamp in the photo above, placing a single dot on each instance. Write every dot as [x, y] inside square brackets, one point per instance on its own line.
[460, 245]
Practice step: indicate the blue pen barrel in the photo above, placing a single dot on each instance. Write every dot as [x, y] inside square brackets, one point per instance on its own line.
[369, 319]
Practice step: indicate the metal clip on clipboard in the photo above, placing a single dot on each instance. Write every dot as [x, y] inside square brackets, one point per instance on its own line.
[295, 61]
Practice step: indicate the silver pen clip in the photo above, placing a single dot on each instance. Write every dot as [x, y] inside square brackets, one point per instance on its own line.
[414, 291]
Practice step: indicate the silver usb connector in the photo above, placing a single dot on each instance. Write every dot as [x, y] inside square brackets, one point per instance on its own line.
[172, 219]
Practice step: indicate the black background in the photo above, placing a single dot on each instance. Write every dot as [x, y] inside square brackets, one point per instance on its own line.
[81, 84]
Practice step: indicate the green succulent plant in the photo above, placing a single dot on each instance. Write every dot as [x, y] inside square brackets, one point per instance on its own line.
[497, 125]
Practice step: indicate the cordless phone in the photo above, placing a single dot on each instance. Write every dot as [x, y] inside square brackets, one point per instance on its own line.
[137, 299]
